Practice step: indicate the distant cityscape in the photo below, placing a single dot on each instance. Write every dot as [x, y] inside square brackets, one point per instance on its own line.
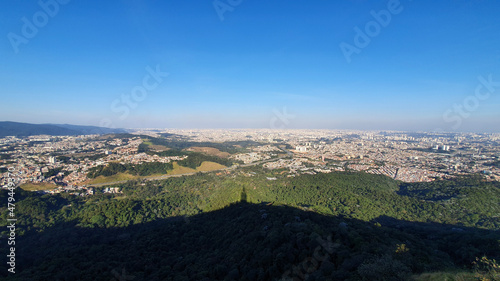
[64, 161]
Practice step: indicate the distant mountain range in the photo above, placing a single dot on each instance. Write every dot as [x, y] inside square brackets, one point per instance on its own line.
[18, 129]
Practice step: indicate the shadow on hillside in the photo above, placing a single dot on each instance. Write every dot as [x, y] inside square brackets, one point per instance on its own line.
[250, 242]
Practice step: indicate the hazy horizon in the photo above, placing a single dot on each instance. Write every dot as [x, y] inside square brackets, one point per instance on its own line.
[351, 65]
[437, 130]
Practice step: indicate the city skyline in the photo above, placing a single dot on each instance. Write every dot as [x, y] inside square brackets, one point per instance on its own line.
[386, 65]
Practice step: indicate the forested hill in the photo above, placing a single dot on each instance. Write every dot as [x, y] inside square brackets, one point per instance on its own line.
[18, 129]
[249, 242]
[244, 226]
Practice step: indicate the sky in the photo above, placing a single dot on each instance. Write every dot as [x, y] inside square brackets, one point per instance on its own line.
[368, 65]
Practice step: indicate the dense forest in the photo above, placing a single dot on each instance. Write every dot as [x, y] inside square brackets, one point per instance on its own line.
[193, 160]
[242, 226]
[144, 169]
[178, 144]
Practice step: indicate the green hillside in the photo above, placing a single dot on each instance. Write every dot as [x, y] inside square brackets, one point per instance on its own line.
[246, 227]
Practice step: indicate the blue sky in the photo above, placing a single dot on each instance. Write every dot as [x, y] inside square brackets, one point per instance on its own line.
[265, 64]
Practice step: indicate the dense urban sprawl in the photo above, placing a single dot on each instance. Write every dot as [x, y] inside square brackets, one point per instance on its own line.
[409, 157]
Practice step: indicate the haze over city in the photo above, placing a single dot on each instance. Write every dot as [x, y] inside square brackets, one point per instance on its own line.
[378, 65]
